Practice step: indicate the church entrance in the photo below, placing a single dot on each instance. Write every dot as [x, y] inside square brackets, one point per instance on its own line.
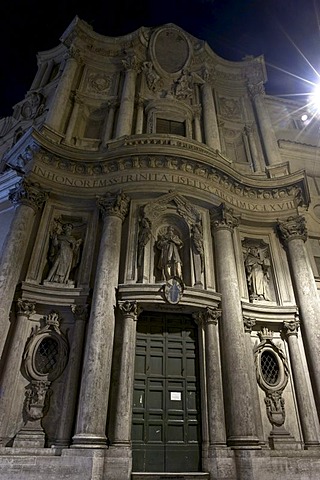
[166, 428]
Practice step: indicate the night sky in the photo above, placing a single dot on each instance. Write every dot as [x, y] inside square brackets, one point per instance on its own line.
[285, 31]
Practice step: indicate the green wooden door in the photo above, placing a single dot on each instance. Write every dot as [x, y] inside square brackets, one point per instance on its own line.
[166, 405]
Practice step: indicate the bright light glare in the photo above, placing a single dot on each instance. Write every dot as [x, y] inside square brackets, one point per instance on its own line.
[304, 117]
[314, 99]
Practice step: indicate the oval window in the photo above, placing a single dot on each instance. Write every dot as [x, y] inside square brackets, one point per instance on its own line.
[269, 367]
[46, 356]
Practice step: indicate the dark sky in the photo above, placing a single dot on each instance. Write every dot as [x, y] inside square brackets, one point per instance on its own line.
[285, 31]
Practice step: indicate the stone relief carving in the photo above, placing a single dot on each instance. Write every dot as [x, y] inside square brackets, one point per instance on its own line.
[152, 78]
[230, 107]
[257, 266]
[183, 87]
[170, 263]
[64, 253]
[99, 83]
[33, 106]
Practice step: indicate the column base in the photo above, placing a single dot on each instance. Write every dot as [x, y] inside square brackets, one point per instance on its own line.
[245, 442]
[89, 440]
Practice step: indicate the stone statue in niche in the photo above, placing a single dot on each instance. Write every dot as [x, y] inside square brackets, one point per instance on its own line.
[257, 265]
[170, 262]
[64, 253]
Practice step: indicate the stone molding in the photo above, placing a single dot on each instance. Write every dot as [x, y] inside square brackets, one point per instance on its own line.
[25, 308]
[219, 178]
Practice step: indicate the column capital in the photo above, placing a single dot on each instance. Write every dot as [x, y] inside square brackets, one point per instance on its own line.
[74, 54]
[131, 63]
[223, 218]
[248, 323]
[28, 193]
[80, 312]
[197, 109]
[291, 327]
[292, 228]
[129, 309]
[114, 205]
[207, 316]
[25, 308]
[256, 89]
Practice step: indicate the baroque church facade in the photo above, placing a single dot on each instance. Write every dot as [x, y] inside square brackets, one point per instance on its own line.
[160, 239]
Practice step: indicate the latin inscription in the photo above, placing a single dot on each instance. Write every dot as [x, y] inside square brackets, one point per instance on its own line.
[166, 178]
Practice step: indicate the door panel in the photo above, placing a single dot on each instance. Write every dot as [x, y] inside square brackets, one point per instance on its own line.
[166, 409]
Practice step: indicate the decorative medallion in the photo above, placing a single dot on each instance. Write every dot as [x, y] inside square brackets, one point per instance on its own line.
[171, 49]
[173, 290]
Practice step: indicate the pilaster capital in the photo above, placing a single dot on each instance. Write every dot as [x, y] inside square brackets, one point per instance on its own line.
[28, 193]
[248, 323]
[129, 309]
[291, 327]
[114, 205]
[223, 218]
[293, 228]
[80, 312]
[207, 316]
[25, 308]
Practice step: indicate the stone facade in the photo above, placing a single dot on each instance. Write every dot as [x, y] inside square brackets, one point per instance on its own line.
[144, 181]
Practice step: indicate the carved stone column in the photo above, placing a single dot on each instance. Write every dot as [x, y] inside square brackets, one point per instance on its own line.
[241, 430]
[124, 125]
[269, 140]
[62, 94]
[197, 126]
[293, 233]
[70, 395]
[95, 384]
[73, 119]
[249, 131]
[11, 367]
[139, 120]
[28, 199]
[248, 324]
[109, 125]
[210, 123]
[306, 415]
[208, 320]
[124, 383]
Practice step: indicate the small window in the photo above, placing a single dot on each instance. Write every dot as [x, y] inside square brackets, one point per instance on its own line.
[46, 355]
[171, 126]
[269, 367]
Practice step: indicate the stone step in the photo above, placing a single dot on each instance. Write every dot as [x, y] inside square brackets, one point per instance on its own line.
[170, 476]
